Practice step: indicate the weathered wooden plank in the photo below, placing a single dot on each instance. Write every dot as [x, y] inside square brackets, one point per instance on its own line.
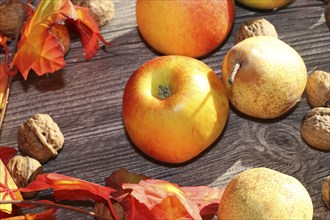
[85, 100]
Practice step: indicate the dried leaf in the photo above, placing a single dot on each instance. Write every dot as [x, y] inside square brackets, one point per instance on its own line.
[47, 55]
[46, 215]
[70, 188]
[146, 198]
[7, 187]
[118, 178]
[6, 153]
[206, 198]
[3, 85]
[158, 199]
[87, 30]
[4, 67]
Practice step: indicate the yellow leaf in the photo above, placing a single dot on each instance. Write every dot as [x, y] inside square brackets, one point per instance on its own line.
[7, 185]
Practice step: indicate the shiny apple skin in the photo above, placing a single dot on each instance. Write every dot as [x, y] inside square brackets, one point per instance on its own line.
[181, 126]
[183, 27]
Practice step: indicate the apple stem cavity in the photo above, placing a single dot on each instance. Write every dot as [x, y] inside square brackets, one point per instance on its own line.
[234, 72]
[164, 92]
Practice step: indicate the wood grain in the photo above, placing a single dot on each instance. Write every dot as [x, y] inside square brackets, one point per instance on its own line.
[85, 100]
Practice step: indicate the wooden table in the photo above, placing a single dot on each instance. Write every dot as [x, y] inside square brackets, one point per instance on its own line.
[85, 99]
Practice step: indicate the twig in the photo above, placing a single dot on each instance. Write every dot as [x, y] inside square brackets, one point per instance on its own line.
[6, 97]
[53, 205]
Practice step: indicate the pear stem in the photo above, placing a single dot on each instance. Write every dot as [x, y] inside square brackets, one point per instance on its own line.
[234, 72]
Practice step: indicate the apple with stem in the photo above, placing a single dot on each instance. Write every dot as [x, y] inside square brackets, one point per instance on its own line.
[174, 107]
[181, 27]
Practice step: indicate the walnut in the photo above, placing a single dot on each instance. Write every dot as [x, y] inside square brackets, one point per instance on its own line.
[40, 137]
[315, 128]
[102, 11]
[326, 191]
[318, 88]
[255, 27]
[24, 170]
[11, 13]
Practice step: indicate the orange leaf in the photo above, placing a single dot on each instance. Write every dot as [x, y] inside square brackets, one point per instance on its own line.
[206, 198]
[158, 199]
[7, 187]
[87, 30]
[39, 49]
[70, 188]
[4, 70]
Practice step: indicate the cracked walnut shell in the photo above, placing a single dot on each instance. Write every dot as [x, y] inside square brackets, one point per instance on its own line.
[315, 128]
[40, 137]
[255, 27]
[24, 170]
[102, 11]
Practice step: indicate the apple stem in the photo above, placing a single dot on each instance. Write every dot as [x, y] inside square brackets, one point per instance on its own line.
[164, 92]
[234, 72]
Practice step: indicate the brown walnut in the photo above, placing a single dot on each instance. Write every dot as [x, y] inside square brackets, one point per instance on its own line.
[326, 191]
[315, 128]
[255, 27]
[11, 13]
[318, 88]
[102, 11]
[24, 170]
[40, 137]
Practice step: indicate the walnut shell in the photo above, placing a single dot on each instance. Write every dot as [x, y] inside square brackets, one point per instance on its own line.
[315, 128]
[318, 88]
[326, 191]
[102, 11]
[11, 13]
[40, 137]
[255, 27]
[24, 170]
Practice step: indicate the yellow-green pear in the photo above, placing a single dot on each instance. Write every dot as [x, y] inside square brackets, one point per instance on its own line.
[263, 193]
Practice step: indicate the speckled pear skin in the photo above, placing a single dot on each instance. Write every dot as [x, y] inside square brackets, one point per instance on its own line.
[263, 193]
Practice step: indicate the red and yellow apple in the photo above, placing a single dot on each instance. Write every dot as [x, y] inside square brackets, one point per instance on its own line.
[182, 27]
[265, 4]
[174, 107]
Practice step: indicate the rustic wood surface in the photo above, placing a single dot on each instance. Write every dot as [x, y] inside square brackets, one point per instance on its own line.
[85, 99]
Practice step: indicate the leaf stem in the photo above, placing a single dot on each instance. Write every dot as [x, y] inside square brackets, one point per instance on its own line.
[3, 110]
[53, 205]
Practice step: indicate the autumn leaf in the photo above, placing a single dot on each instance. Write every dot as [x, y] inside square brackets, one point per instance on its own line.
[46, 215]
[158, 199]
[6, 153]
[87, 31]
[7, 190]
[146, 198]
[206, 198]
[39, 49]
[4, 67]
[70, 188]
